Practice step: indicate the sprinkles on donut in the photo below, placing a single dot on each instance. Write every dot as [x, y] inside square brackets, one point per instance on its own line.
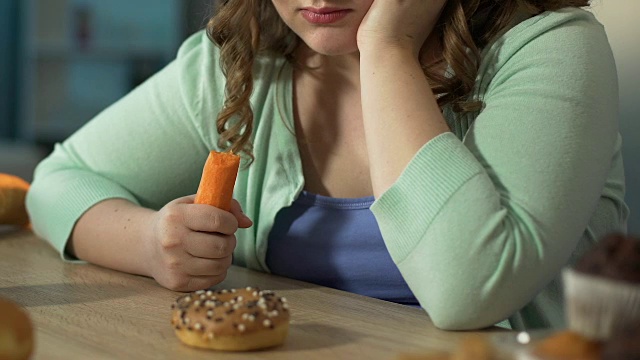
[231, 319]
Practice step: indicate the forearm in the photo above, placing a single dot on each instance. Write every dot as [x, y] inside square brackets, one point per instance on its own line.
[400, 112]
[113, 234]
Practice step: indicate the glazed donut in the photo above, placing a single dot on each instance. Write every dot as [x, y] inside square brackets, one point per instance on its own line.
[231, 320]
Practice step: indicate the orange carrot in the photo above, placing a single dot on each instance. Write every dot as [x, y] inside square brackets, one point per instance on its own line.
[218, 179]
[13, 191]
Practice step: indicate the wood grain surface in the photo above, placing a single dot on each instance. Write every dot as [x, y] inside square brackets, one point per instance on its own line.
[82, 311]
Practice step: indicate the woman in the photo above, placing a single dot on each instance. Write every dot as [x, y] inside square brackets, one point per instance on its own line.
[452, 154]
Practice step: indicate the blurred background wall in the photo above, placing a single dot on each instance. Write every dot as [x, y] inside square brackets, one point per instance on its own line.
[620, 19]
[8, 62]
[62, 61]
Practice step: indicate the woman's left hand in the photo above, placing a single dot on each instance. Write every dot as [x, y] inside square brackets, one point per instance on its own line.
[398, 23]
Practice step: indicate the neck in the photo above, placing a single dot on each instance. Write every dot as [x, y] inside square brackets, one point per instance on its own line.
[329, 68]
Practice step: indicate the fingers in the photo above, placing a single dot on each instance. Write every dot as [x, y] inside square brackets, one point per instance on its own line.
[187, 273]
[209, 246]
[202, 282]
[207, 267]
[243, 220]
[192, 283]
[207, 218]
[184, 200]
[194, 244]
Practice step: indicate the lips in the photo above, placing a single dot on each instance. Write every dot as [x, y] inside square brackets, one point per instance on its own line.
[324, 15]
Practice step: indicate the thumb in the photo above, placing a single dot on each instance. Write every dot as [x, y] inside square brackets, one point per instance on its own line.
[184, 200]
[243, 220]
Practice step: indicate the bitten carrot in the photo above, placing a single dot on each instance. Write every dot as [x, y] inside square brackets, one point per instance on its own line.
[13, 191]
[218, 179]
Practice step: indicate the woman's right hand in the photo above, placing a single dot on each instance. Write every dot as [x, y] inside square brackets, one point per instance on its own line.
[191, 245]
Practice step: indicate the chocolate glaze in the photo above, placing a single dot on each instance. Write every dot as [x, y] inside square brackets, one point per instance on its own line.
[624, 344]
[616, 256]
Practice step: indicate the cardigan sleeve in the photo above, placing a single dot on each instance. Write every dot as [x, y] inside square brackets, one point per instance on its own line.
[479, 226]
[148, 148]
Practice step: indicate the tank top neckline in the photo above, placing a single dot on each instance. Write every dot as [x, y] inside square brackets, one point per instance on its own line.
[311, 199]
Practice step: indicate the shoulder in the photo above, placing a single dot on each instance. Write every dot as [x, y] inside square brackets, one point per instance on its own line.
[568, 31]
[203, 82]
[198, 61]
[577, 19]
[198, 54]
[571, 27]
[569, 42]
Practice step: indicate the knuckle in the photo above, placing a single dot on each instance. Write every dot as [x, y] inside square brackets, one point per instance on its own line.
[178, 283]
[225, 246]
[215, 280]
[221, 248]
[190, 286]
[229, 245]
[233, 224]
[232, 221]
[170, 235]
[168, 242]
[172, 216]
[174, 265]
[220, 267]
[214, 220]
[217, 268]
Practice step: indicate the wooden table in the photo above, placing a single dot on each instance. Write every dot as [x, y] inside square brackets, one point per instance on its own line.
[88, 312]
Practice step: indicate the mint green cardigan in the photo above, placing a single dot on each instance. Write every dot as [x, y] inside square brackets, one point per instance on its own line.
[481, 221]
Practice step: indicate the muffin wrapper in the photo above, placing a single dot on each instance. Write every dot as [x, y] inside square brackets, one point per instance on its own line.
[597, 307]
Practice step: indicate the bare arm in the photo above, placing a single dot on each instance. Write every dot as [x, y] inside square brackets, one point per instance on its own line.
[184, 246]
[113, 234]
[144, 152]
[480, 227]
[399, 109]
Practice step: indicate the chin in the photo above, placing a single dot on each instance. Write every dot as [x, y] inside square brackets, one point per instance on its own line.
[333, 47]
[335, 51]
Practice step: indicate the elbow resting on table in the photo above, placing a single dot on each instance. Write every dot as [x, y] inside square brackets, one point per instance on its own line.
[452, 318]
[469, 307]
[457, 323]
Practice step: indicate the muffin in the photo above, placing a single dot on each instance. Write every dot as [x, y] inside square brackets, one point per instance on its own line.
[623, 345]
[602, 292]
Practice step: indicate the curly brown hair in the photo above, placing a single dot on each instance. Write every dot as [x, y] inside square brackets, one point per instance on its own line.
[244, 29]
